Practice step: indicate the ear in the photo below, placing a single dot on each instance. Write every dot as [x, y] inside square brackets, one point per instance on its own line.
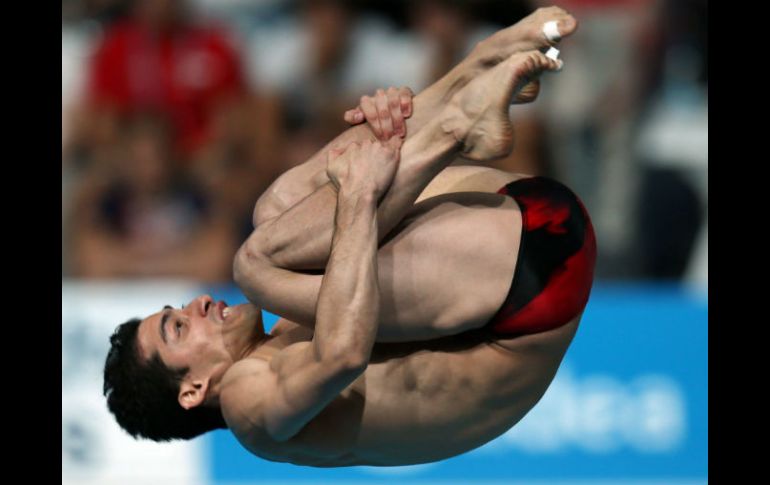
[192, 393]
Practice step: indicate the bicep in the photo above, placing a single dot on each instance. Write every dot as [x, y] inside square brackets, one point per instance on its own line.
[291, 391]
[303, 394]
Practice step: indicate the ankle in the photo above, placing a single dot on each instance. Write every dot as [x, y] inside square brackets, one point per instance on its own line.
[453, 123]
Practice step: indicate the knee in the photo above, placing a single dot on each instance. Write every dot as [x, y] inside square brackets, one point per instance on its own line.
[248, 259]
[269, 206]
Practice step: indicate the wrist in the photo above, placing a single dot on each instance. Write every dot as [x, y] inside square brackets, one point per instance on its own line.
[320, 178]
[364, 194]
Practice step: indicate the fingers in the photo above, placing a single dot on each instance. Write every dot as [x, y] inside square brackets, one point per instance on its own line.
[405, 97]
[369, 109]
[334, 152]
[383, 110]
[395, 143]
[396, 112]
[354, 116]
[356, 149]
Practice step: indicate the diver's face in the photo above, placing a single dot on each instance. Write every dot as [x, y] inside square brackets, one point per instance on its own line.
[186, 337]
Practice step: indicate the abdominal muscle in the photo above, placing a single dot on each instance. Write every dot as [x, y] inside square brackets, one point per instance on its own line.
[426, 401]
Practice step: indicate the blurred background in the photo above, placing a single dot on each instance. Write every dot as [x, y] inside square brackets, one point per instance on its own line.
[177, 114]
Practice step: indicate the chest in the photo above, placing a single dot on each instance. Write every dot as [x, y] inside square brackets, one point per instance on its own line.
[424, 406]
[425, 401]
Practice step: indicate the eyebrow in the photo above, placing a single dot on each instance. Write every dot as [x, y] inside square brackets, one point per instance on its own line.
[163, 320]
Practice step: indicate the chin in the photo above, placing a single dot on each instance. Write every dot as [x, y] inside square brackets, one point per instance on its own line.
[247, 314]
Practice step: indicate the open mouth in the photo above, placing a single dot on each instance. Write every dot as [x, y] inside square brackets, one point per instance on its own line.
[222, 310]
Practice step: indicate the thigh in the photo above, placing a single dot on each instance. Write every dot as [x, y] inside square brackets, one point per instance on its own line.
[468, 179]
[448, 266]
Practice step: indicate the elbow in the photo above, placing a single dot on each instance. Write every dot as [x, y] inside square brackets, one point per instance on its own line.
[351, 365]
[246, 265]
[281, 434]
[356, 366]
[281, 428]
[343, 357]
[343, 362]
[239, 262]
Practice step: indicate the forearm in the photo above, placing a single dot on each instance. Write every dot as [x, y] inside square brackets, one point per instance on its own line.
[347, 314]
[309, 378]
[301, 181]
[300, 238]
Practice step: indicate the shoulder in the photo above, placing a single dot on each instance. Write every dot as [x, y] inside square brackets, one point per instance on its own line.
[280, 327]
[244, 388]
[283, 327]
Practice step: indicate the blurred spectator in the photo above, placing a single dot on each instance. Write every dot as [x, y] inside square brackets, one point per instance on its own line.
[160, 59]
[450, 29]
[625, 122]
[314, 104]
[320, 60]
[314, 89]
[672, 144]
[101, 11]
[670, 215]
[141, 218]
[334, 51]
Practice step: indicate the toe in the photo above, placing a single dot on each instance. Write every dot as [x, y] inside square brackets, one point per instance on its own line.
[567, 25]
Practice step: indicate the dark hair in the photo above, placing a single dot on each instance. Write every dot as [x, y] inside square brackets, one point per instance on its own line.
[143, 394]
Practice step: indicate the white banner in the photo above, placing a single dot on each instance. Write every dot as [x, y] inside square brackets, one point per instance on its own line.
[95, 450]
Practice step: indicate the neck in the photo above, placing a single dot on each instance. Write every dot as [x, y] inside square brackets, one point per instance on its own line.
[239, 346]
[242, 335]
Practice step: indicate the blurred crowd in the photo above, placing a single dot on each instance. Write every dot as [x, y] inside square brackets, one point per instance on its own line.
[177, 115]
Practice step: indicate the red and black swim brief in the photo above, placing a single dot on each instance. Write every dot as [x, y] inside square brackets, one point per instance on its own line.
[555, 266]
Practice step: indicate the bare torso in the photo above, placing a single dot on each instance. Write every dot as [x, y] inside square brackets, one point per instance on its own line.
[422, 401]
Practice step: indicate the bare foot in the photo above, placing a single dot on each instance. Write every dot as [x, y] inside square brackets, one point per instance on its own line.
[525, 35]
[477, 116]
